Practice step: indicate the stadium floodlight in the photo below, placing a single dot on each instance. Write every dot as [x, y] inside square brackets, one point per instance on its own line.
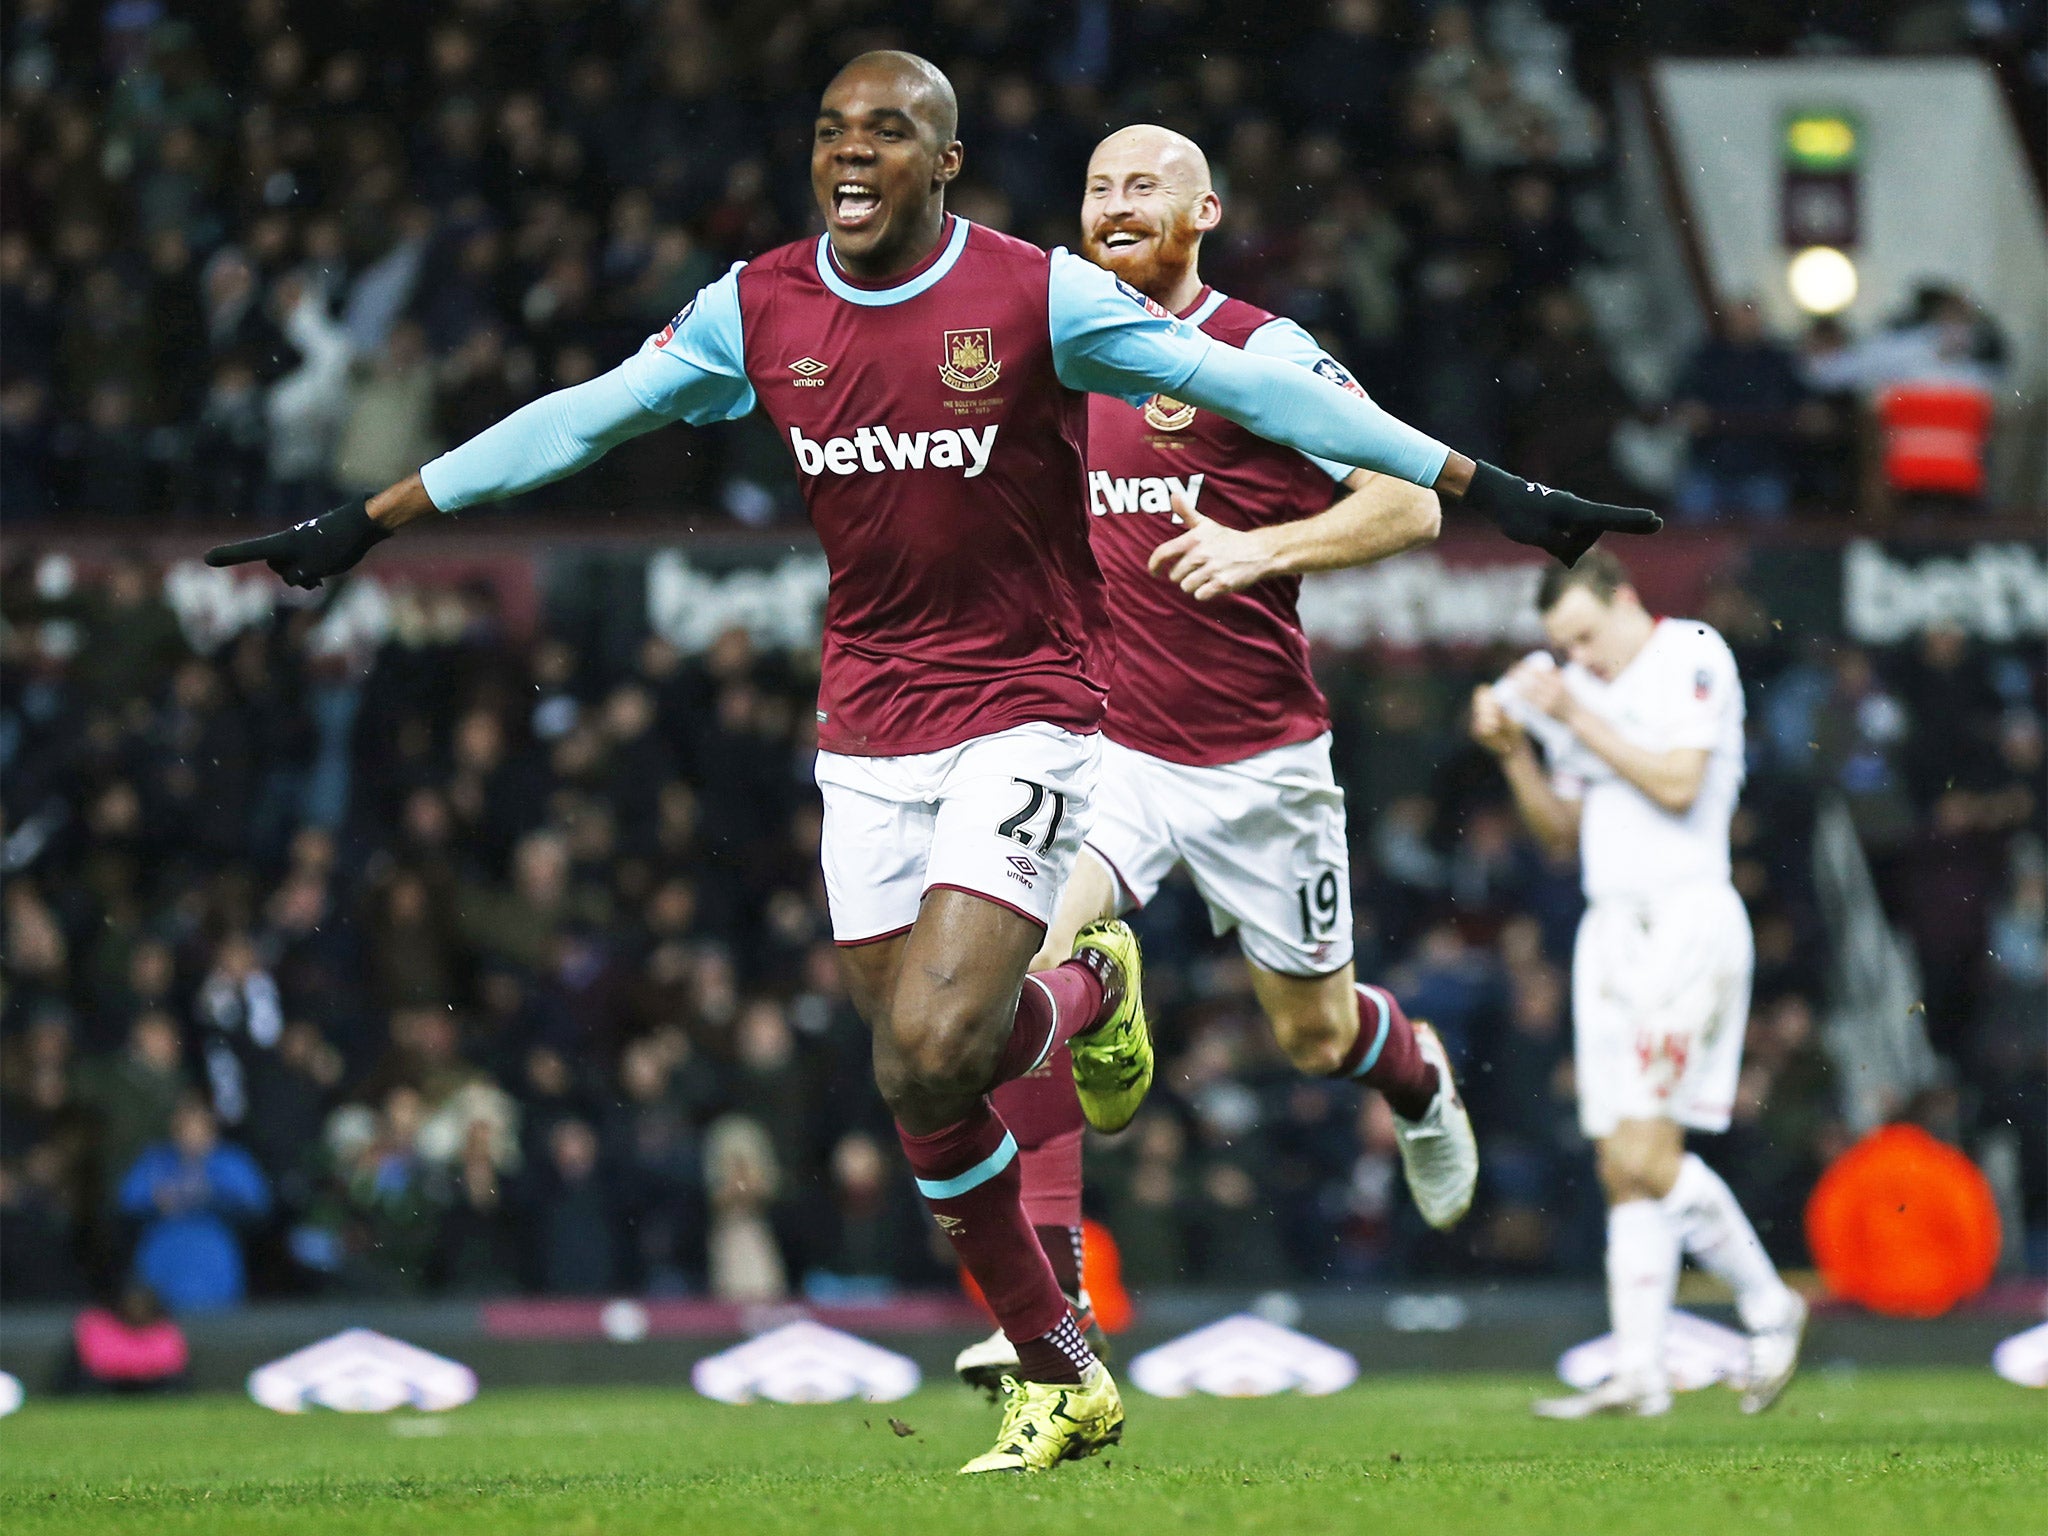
[1822, 279]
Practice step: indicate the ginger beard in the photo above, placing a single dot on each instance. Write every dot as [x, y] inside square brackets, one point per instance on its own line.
[1155, 263]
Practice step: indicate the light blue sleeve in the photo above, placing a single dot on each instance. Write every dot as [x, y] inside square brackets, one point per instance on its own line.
[1283, 339]
[1322, 414]
[1109, 339]
[693, 370]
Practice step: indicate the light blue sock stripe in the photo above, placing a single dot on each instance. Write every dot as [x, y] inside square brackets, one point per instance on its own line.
[1380, 1041]
[973, 1178]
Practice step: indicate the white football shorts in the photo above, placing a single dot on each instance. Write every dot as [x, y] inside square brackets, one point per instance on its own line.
[1001, 816]
[1660, 1004]
[1262, 838]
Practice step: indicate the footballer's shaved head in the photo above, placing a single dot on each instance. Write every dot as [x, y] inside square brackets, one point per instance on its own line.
[1160, 149]
[1145, 206]
[919, 82]
[882, 154]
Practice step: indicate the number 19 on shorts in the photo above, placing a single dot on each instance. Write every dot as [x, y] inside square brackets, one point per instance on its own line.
[1319, 907]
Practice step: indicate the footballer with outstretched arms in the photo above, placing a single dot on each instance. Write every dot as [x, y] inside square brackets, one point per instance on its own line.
[1216, 750]
[1640, 723]
[931, 379]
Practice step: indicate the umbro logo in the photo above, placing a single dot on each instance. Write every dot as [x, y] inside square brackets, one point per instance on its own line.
[948, 1224]
[809, 372]
[1019, 862]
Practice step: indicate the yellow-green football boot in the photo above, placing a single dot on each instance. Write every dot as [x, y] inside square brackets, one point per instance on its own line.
[1113, 1061]
[1046, 1423]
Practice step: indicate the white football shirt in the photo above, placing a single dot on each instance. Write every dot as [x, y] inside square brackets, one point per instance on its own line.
[1682, 690]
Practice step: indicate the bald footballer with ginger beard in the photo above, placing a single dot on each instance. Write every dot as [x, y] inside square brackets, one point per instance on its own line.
[1217, 749]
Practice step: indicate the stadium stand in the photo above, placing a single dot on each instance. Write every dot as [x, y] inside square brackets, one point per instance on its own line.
[529, 987]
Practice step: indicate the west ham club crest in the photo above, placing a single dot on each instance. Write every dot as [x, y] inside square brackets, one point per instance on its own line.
[1166, 414]
[970, 363]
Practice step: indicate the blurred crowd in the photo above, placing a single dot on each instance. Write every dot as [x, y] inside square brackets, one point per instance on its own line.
[258, 255]
[454, 963]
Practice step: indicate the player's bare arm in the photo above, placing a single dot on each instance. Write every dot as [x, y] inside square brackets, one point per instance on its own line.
[1553, 819]
[1377, 517]
[1671, 778]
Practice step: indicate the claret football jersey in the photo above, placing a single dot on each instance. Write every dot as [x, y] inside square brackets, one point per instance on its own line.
[1217, 681]
[938, 430]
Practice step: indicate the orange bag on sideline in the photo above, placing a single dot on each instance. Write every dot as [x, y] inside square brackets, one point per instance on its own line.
[1904, 1224]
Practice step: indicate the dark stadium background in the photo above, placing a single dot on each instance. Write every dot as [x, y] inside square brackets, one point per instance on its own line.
[486, 921]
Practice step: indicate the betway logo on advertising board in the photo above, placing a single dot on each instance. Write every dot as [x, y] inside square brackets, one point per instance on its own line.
[875, 450]
[1139, 493]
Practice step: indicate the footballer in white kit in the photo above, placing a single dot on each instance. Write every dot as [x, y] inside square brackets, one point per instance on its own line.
[1641, 731]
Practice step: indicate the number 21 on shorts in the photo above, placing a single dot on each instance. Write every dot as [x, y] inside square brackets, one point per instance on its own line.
[1039, 801]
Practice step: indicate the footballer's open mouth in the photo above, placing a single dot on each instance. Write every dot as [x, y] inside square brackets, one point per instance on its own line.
[1123, 239]
[855, 204]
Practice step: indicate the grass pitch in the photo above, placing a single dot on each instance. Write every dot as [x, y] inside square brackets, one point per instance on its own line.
[1873, 1453]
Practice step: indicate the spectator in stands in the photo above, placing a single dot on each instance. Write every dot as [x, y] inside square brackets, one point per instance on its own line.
[575, 1216]
[39, 1226]
[1940, 337]
[387, 431]
[376, 1224]
[193, 1195]
[1787, 1124]
[658, 1157]
[306, 407]
[746, 1260]
[1739, 397]
[135, 1094]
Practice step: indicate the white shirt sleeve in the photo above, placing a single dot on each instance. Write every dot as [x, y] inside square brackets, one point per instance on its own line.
[1699, 687]
[1571, 766]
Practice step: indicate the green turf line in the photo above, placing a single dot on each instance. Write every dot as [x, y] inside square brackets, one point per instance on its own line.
[1950, 1453]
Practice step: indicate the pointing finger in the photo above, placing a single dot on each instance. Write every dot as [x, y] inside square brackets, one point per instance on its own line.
[246, 550]
[1636, 520]
[1598, 514]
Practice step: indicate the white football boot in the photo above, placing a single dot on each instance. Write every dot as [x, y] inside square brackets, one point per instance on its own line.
[983, 1366]
[1613, 1396]
[1439, 1154]
[1773, 1358]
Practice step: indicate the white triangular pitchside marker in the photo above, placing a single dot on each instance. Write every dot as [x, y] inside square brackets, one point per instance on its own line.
[805, 1362]
[362, 1371]
[1698, 1354]
[1243, 1356]
[2023, 1358]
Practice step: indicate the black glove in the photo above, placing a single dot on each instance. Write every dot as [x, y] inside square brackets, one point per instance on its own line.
[1554, 521]
[309, 552]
